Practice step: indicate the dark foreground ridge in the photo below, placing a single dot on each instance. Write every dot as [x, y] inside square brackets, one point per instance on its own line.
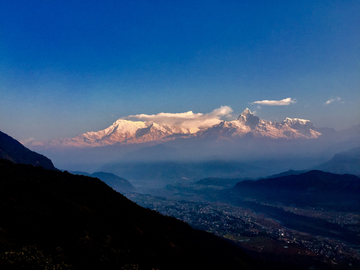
[56, 220]
[14, 151]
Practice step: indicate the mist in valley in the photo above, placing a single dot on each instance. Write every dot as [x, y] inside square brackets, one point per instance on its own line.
[156, 164]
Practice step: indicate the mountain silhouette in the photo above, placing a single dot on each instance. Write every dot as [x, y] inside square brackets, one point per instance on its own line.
[313, 188]
[344, 162]
[116, 182]
[14, 151]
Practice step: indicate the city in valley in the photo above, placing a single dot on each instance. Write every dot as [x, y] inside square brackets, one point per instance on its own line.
[263, 235]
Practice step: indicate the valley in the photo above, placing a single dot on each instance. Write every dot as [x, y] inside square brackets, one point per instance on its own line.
[277, 210]
[328, 239]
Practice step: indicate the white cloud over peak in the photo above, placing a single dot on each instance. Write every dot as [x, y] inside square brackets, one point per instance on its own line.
[283, 102]
[222, 111]
[188, 120]
[338, 99]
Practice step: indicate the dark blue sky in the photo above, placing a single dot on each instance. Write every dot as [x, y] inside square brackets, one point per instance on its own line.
[67, 67]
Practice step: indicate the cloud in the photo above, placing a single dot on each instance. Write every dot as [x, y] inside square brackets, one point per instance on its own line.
[189, 120]
[283, 102]
[222, 111]
[338, 99]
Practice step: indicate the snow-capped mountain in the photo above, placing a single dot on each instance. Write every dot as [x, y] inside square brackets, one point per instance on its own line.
[122, 132]
[248, 123]
[132, 132]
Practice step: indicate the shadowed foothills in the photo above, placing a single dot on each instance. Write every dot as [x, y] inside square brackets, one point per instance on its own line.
[78, 222]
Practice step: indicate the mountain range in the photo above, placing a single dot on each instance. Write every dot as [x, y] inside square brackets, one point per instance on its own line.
[279, 146]
[311, 189]
[125, 131]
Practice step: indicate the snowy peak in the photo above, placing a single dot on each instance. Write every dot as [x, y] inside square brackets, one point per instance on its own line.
[119, 131]
[248, 118]
[297, 123]
[127, 123]
[302, 126]
[295, 120]
[245, 114]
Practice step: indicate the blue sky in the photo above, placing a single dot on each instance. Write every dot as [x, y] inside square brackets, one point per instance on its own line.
[67, 68]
